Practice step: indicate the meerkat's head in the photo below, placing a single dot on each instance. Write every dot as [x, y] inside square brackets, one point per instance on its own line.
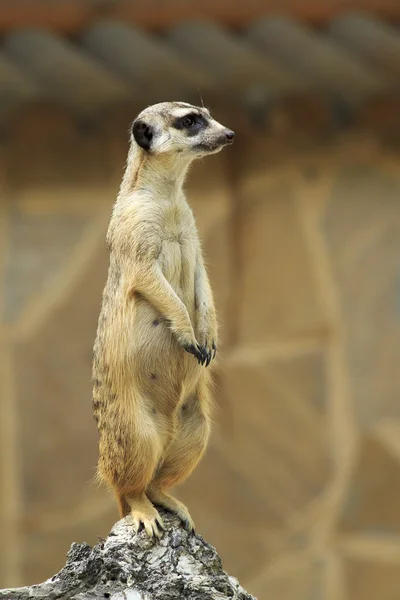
[179, 129]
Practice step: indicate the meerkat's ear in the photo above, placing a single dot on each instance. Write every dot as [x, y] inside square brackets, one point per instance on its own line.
[142, 133]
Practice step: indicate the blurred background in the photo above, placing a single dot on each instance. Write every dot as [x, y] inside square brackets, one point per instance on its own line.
[300, 219]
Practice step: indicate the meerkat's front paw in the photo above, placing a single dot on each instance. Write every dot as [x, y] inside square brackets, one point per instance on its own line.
[203, 351]
[200, 352]
[190, 344]
[187, 339]
[208, 343]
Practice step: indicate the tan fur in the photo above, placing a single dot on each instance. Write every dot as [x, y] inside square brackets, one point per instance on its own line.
[151, 398]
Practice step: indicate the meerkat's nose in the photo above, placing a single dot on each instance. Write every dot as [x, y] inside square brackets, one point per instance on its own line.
[229, 136]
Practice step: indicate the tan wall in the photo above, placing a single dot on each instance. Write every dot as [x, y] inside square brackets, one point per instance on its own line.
[300, 489]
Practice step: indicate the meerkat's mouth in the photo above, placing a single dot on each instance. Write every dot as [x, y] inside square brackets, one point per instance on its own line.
[208, 148]
[217, 144]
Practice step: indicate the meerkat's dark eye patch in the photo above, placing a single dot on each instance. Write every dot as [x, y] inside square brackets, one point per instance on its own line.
[191, 123]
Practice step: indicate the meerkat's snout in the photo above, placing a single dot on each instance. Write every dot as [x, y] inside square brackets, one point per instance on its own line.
[229, 136]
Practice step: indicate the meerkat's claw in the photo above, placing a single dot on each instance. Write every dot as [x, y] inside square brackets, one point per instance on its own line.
[187, 523]
[208, 353]
[195, 350]
[204, 354]
[199, 354]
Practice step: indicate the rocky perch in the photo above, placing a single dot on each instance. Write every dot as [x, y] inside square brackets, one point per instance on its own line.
[129, 566]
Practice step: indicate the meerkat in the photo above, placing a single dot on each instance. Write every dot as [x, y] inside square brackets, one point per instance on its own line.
[157, 330]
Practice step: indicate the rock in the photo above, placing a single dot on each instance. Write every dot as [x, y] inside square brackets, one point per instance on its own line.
[129, 566]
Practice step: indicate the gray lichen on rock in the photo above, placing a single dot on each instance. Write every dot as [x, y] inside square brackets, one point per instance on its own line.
[129, 566]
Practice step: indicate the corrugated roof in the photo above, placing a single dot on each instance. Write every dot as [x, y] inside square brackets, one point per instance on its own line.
[356, 57]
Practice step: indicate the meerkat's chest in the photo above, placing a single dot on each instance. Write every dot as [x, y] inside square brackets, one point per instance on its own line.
[178, 227]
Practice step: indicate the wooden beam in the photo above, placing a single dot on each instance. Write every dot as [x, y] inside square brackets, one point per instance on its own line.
[72, 16]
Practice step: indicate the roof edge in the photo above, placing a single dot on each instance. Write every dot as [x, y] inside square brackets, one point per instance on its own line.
[72, 16]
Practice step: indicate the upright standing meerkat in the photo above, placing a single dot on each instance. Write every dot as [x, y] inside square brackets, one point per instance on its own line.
[157, 328]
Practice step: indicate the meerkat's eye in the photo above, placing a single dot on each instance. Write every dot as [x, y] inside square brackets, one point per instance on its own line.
[188, 121]
[191, 122]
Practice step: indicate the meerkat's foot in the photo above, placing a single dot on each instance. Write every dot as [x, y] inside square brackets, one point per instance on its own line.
[144, 513]
[171, 504]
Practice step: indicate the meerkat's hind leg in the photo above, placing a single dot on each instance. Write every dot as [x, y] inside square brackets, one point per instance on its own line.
[123, 505]
[161, 498]
[144, 514]
[183, 455]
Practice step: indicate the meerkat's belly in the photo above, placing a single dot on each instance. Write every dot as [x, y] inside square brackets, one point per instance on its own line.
[161, 368]
[156, 351]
